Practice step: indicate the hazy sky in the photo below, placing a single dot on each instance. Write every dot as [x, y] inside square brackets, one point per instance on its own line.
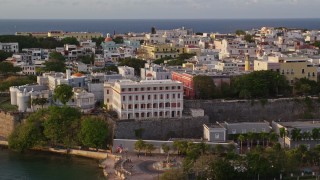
[157, 9]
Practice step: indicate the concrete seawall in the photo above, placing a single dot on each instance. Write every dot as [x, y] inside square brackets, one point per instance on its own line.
[88, 154]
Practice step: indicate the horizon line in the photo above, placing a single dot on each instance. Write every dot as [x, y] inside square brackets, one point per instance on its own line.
[160, 18]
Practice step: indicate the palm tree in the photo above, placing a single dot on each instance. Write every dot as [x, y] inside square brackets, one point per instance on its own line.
[250, 137]
[263, 136]
[315, 133]
[272, 137]
[241, 139]
[283, 135]
[306, 135]
[296, 134]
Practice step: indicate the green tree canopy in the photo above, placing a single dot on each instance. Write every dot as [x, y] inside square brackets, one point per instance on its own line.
[260, 84]
[32, 42]
[39, 101]
[98, 41]
[87, 59]
[305, 86]
[63, 93]
[28, 134]
[6, 67]
[94, 132]
[139, 145]
[204, 87]
[62, 125]
[137, 64]
[57, 56]
[4, 55]
[70, 40]
[16, 81]
[249, 38]
[55, 63]
[240, 32]
[118, 40]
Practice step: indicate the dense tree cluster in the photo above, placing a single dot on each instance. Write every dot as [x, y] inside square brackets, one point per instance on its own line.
[118, 40]
[137, 64]
[240, 32]
[222, 163]
[175, 61]
[70, 40]
[5, 84]
[59, 126]
[98, 41]
[4, 55]
[32, 42]
[260, 84]
[55, 63]
[305, 86]
[7, 68]
[204, 87]
[87, 59]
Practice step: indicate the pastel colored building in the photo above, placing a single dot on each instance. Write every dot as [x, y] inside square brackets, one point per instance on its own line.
[291, 67]
[157, 51]
[187, 81]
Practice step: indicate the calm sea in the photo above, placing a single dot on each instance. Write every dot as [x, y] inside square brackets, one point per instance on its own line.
[144, 25]
[44, 166]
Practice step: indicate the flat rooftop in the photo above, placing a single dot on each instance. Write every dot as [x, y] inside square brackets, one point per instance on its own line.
[300, 124]
[214, 125]
[129, 82]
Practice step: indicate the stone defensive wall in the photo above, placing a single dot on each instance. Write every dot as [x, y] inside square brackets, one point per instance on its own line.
[285, 109]
[159, 129]
[8, 121]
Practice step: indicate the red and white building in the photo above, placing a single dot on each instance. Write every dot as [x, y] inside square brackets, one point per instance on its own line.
[187, 80]
[144, 99]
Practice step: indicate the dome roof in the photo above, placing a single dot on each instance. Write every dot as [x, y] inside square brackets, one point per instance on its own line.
[149, 75]
[108, 39]
[77, 74]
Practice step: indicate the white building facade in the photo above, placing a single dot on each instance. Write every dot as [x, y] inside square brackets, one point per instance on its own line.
[145, 99]
[9, 47]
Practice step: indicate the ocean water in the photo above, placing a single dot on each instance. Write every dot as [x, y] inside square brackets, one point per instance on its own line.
[144, 25]
[46, 166]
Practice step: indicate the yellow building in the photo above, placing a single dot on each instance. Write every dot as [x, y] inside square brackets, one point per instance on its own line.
[291, 67]
[295, 68]
[157, 51]
[188, 66]
[193, 50]
[34, 34]
[78, 35]
[83, 35]
[56, 34]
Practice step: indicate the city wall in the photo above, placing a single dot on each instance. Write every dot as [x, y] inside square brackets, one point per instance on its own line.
[285, 109]
[160, 129]
[257, 110]
[8, 121]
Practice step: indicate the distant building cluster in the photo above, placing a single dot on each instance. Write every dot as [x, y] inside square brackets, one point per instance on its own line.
[159, 89]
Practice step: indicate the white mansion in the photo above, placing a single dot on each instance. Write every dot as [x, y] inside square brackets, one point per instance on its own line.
[144, 99]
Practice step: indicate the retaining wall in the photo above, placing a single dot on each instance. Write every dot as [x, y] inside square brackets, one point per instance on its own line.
[160, 129]
[8, 121]
[250, 111]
